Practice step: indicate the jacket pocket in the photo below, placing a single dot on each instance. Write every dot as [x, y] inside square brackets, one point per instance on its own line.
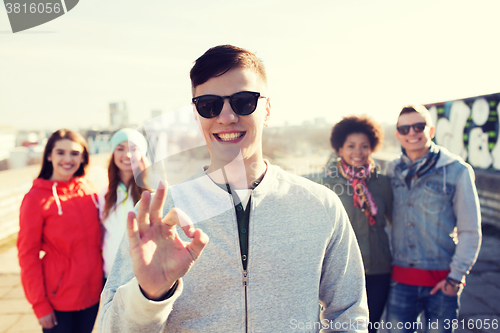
[53, 275]
[438, 196]
[56, 288]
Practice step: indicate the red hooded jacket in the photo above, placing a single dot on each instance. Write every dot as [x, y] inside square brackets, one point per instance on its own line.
[62, 220]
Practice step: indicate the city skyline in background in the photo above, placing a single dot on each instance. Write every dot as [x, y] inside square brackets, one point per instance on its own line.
[325, 60]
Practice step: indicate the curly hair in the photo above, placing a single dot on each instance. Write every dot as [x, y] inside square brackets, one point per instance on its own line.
[354, 124]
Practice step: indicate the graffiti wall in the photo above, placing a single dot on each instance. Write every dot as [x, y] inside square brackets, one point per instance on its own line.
[470, 128]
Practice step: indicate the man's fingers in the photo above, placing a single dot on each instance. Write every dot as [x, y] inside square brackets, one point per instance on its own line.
[156, 208]
[143, 212]
[185, 223]
[177, 216]
[143, 206]
[438, 286]
[133, 230]
[200, 240]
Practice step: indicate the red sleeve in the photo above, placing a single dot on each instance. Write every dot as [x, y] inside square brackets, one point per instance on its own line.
[29, 244]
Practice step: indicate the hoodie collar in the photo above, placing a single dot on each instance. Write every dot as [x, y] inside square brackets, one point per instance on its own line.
[447, 157]
[54, 185]
[47, 183]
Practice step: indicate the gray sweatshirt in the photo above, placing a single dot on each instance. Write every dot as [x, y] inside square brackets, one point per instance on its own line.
[304, 266]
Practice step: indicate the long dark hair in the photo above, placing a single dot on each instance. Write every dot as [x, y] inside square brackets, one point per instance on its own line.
[114, 180]
[62, 134]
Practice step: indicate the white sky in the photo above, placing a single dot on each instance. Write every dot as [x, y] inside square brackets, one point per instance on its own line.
[323, 58]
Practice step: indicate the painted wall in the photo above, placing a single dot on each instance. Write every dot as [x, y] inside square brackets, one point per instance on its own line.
[470, 128]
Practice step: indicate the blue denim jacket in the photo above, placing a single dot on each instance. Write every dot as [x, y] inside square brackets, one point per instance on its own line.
[436, 223]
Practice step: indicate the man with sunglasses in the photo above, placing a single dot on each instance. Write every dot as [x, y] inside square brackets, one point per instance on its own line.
[436, 231]
[279, 244]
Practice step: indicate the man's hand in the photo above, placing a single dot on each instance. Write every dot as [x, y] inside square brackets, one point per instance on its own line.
[159, 256]
[48, 321]
[446, 288]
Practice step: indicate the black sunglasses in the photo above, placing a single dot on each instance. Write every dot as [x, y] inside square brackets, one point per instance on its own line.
[405, 129]
[243, 103]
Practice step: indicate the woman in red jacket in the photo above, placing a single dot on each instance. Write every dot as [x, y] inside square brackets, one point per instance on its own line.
[59, 219]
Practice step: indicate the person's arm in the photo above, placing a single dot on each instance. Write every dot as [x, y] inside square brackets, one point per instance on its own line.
[388, 201]
[134, 296]
[342, 286]
[101, 201]
[29, 244]
[467, 212]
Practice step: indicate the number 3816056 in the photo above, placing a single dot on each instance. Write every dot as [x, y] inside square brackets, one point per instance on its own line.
[33, 8]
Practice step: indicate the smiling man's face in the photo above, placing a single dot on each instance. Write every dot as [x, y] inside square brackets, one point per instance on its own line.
[229, 133]
[415, 144]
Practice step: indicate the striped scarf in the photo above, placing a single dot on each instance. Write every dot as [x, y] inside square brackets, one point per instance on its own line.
[357, 179]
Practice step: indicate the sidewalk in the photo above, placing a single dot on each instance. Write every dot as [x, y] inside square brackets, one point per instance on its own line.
[481, 296]
[480, 302]
[15, 312]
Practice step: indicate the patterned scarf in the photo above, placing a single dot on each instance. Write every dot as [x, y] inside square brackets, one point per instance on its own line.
[357, 179]
[414, 170]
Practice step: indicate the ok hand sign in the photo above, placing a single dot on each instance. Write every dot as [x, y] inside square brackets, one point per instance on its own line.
[159, 256]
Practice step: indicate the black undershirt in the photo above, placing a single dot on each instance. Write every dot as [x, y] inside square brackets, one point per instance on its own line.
[242, 219]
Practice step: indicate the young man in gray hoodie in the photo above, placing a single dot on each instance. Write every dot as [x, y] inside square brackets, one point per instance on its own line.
[282, 255]
[436, 231]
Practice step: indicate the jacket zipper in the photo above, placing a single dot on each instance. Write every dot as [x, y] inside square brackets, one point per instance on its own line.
[245, 283]
[245, 272]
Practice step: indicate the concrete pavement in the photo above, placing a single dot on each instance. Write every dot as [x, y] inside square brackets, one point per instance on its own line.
[480, 301]
[16, 315]
[15, 312]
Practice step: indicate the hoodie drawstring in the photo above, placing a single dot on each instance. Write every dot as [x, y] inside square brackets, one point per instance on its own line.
[92, 195]
[58, 202]
[56, 198]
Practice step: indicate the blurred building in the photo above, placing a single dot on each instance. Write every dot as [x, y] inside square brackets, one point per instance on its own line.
[320, 122]
[27, 138]
[98, 141]
[7, 143]
[156, 113]
[118, 115]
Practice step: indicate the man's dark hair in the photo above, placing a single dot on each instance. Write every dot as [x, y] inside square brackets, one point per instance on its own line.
[354, 124]
[220, 59]
[418, 109]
